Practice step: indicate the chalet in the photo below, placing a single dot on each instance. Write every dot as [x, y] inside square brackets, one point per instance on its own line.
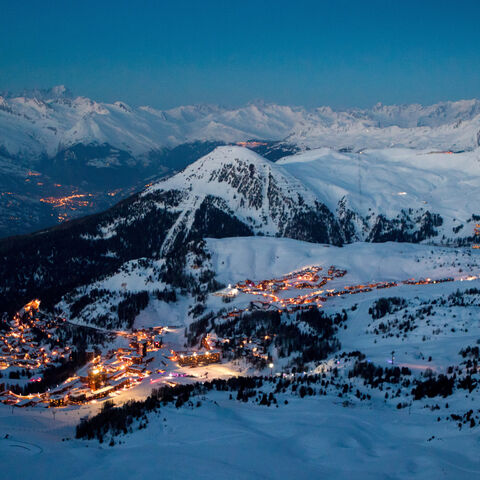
[57, 401]
[196, 359]
[27, 402]
[102, 392]
[135, 369]
[78, 396]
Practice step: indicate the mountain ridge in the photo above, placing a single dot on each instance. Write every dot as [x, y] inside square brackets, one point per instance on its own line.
[43, 122]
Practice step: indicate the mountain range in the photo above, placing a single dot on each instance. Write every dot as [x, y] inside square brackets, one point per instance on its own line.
[64, 156]
[45, 122]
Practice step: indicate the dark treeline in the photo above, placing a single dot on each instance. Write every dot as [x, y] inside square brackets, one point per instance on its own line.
[374, 375]
[131, 306]
[93, 295]
[434, 386]
[472, 353]
[384, 306]
[48, 264]
[311, 336]
[464, 298]
[410, 225]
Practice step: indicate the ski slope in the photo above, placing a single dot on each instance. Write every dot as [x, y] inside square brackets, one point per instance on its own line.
[386, 181]
[308, 438]
[259, 258]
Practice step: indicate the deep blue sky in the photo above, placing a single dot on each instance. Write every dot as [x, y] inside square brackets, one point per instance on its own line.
[167, 53]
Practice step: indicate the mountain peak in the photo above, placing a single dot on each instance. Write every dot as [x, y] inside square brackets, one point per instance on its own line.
[236, 183]
[222, 165]
[60, 91]
[233, 153]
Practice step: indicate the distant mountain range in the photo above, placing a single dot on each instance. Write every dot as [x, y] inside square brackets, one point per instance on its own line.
[45, 122]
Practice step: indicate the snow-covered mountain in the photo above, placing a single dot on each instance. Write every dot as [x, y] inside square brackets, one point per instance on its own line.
[105, 151]
[231, 192]
[318, 196]
[46, 122]
[237, 182]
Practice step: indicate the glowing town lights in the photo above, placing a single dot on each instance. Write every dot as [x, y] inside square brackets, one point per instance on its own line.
[71, 201]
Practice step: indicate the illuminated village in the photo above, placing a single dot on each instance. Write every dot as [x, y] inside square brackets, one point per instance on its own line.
[30, 342]
[19, 347]
[309, 280]
[104, 373]
[298, 291]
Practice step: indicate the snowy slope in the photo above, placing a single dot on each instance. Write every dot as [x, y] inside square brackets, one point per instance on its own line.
[236, 259]
[309, 438]
[389, 181]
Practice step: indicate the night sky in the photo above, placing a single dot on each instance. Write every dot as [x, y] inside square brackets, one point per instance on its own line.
[167, 53]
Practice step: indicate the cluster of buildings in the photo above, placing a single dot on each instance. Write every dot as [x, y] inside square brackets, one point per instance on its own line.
[20, 347]
[119, 368]
[200, 358]
[195, 359]
[249, 347]
[105, 373]
[229, 292]
[272, 290]
[72, 201]
[305, 278]
[310, 279]
[254, 347]
[355, 289]
[427, 281]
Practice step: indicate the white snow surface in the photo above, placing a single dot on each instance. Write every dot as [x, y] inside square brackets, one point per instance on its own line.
[260, 258]
[388, 180]
[309, 438]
